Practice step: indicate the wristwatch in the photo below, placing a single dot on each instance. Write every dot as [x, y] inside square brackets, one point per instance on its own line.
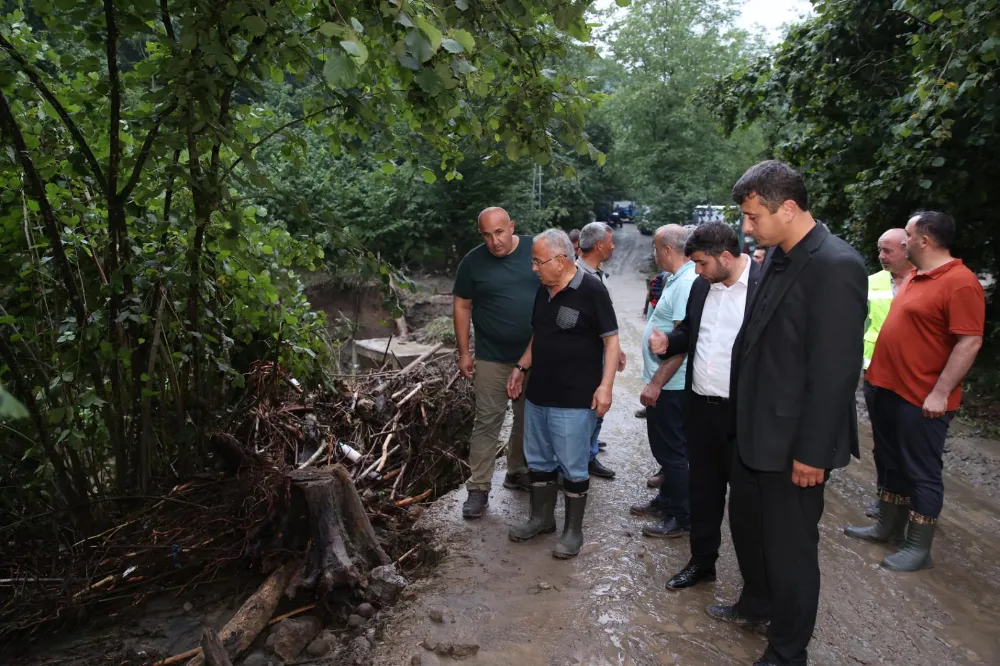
[521, 367]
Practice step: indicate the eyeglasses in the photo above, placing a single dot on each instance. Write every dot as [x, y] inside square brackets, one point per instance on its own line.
[542, 263]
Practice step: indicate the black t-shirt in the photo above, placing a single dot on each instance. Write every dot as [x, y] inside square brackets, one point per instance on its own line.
[568, 346]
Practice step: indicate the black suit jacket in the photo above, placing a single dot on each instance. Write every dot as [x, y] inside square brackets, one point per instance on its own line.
[797, 360]
[684, 338]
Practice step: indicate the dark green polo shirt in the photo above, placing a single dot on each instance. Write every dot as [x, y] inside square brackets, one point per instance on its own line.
[502, 291]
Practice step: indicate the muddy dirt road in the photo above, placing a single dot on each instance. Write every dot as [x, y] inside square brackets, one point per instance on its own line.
[609, 605]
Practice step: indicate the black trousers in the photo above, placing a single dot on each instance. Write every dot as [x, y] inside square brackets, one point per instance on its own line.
[710, 456]
[665, 428]
[913, 450]
[775, 527]
[878, 450]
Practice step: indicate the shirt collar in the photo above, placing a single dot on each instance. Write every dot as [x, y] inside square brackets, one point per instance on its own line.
[577, 279]
[744, 278]
[585, 266]
[685, 268]
[937, 272]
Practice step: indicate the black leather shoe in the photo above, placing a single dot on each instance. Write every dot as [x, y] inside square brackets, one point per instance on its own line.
[667, 529]
[597, 469]
[475, 505]
[650, 510]
[731, 615]
[690, 576]
[516, 482]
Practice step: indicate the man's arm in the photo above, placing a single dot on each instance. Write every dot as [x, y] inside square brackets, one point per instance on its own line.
[602, 396]
[463, 321]
[959, 363]
[679, 339]
[515, 382]
[836, 311]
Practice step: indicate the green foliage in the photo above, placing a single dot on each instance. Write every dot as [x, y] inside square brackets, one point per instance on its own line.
[10, 407]
[669, 154]
[888, 108]
[151, 235]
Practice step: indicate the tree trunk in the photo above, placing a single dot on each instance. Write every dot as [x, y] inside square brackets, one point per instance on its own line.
[344, 546]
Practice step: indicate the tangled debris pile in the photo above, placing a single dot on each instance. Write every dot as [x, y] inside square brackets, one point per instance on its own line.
[317, 490]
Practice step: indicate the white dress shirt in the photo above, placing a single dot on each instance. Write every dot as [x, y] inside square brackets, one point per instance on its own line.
[721, 321]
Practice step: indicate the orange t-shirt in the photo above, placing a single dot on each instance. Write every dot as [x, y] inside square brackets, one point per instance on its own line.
[928, 314]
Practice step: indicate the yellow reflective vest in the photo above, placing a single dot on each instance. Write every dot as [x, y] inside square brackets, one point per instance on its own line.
[879, 301]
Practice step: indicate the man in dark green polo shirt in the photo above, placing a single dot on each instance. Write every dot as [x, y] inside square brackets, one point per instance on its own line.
[494, 291]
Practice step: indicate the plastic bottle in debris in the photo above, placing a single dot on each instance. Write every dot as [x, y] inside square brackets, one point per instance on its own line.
[348, 452]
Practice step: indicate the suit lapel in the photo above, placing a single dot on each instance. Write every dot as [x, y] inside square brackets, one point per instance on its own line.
[754, 328]
[698, 309]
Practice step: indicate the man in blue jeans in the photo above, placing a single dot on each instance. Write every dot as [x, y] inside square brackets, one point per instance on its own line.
[573, 357]
[664, 396]
[597, 245]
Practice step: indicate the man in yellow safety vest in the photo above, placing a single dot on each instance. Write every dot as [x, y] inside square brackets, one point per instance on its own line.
[882, 288]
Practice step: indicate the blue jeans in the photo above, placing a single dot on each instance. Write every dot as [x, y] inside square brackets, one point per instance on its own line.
[665, 427]
[594, 449]
[558, 438]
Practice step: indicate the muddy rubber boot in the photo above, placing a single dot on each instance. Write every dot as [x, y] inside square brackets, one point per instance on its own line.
[916, 552]
[572, 537]
[893, 512]
[542, 519]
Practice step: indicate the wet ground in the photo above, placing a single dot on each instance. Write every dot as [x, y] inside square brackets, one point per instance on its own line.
[609, 605]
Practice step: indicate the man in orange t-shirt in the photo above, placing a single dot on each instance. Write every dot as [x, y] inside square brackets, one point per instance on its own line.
[926, 346]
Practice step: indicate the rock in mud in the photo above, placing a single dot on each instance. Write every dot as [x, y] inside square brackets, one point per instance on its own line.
[318, 648]
[293, 635]
[436, 615]
[544, 586]
[416, 660]
[360, 651]
[386, 584]
[256, 659]
[366, 610]
[443, 649]
[463, 650]
[355, 621]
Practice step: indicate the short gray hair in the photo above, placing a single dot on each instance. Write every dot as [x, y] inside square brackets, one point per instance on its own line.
[673, 235]
[557, 241]
[592, 234]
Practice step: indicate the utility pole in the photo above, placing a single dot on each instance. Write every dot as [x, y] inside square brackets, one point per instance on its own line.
[538, 168]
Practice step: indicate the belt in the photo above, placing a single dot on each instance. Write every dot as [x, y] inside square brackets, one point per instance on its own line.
[711, 399]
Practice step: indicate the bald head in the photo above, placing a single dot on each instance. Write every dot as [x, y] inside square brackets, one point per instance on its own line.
[892, 252]
[668, 247]
[497, 231]
[672, 235]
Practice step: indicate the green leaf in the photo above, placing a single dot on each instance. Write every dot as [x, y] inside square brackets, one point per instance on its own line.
[267, 249]
[937, 162]
[10, 408]
[462, 5]
[452, 45]
[329, 29]
[936, 16]
[623, 3]
[388, 168]
[356, 24]
[340, 71]
[431, 31]
[429, 176]
[255, 25]
[465, 39]
[925, 184]
[356, 49]
[419, 46]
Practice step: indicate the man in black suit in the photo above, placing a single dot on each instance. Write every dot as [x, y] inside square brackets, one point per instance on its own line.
[715, 313]
[796, 365]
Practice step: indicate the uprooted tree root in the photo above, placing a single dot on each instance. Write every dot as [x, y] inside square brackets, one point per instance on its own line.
[329, 482]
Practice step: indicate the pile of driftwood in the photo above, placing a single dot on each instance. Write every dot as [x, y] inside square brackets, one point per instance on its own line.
[315, 490]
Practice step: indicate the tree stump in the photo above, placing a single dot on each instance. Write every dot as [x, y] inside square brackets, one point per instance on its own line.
[344, 547]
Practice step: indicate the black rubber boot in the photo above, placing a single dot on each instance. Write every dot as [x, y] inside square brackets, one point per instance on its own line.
[893, 511]
[916, 552]
[576, 504]
[542, 520]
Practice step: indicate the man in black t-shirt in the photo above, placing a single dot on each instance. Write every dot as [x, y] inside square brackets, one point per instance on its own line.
[573, 356]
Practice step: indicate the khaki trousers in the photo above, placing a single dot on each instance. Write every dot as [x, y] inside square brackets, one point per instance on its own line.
[490, 388]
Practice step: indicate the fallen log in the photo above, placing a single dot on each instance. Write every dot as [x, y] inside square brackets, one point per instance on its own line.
[211, 647]
[255, 613]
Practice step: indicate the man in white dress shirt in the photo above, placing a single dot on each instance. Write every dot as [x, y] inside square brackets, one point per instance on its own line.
[715, 313]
